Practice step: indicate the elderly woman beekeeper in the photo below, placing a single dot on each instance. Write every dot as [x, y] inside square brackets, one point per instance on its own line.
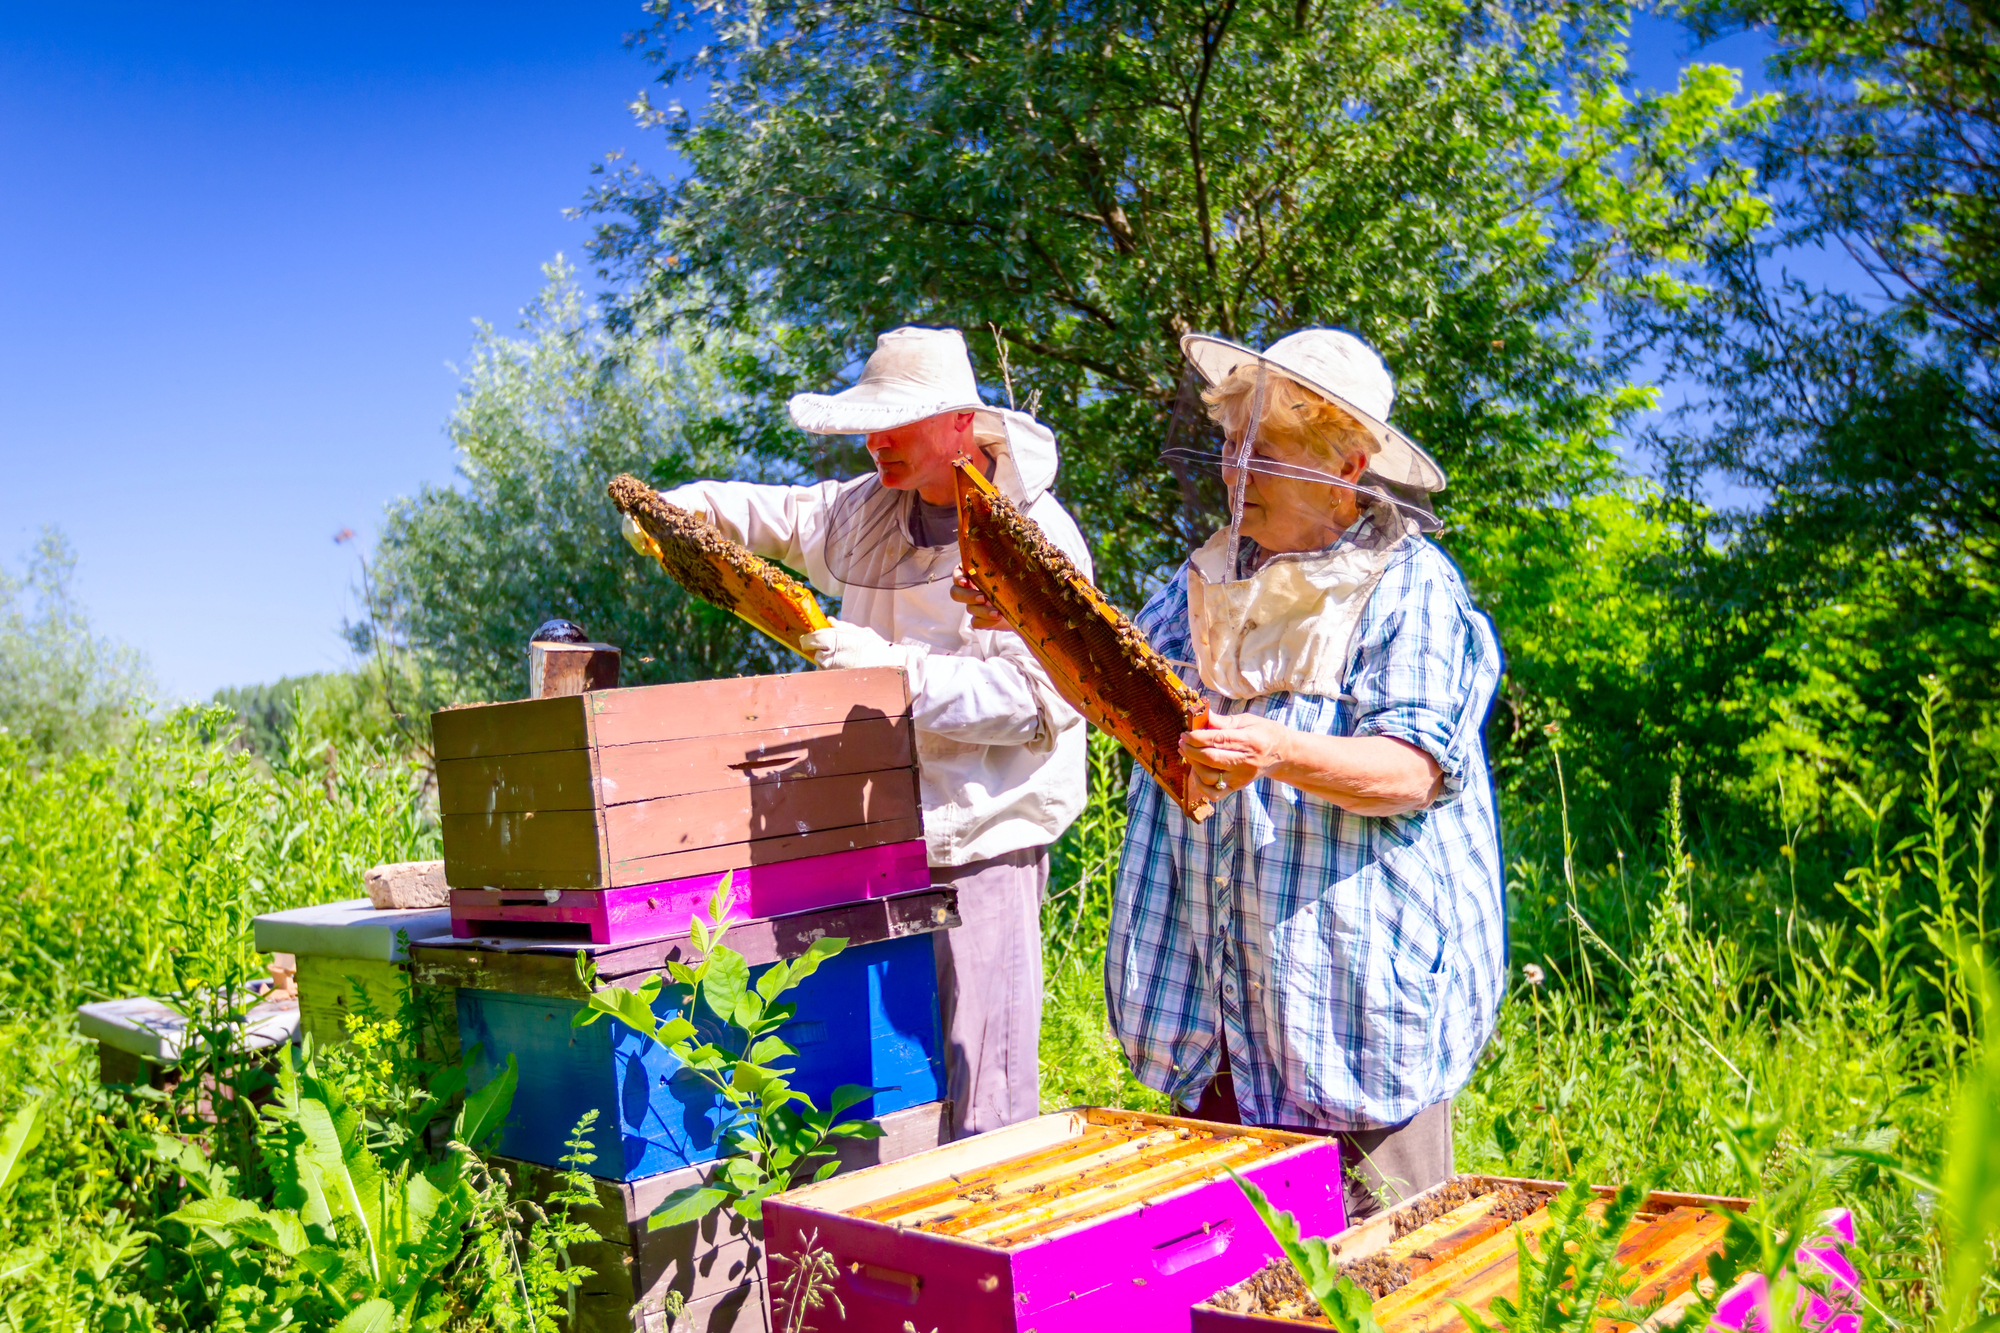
[1326, 952]
[1001, 753]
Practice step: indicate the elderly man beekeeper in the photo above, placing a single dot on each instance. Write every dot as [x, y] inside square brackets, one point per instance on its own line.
[1001, 753]
[1327, 951]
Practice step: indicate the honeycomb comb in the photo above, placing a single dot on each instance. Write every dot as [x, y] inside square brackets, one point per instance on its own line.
[718, 570]
[1098, 659]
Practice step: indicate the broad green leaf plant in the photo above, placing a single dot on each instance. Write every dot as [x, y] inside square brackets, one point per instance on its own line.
[355, 1245]
[770, 1130]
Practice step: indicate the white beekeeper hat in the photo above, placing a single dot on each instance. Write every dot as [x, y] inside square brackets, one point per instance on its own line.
[917, 372]
[1345, 371]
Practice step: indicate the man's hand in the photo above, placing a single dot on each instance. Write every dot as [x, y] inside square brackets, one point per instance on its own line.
[1234, 750]
[843, 646]
[966, 593]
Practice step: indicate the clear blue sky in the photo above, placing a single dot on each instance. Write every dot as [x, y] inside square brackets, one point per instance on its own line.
[246, 244]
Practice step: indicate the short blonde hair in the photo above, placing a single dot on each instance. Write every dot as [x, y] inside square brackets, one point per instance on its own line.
[1293, 414]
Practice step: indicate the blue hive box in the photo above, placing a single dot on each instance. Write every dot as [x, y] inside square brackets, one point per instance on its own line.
[869, 1016]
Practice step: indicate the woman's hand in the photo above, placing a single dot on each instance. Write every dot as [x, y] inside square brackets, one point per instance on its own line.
[966, 593]
[1235, 749]
[1367, 775]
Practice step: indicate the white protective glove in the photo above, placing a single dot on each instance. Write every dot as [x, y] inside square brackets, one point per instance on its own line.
[842, 645]
[635, 536]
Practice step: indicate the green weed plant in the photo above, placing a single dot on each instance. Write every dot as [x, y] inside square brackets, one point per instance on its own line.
[1708, 1016]
[771, 1133]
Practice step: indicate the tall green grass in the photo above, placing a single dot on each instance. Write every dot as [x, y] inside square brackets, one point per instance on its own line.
[1681, 1014]
[135, 870]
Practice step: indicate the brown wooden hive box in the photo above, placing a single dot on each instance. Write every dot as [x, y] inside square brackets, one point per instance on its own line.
[1457, 1242]
[620, 787]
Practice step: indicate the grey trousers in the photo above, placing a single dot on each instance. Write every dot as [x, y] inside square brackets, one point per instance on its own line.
[989, 972]
[1381, 1167]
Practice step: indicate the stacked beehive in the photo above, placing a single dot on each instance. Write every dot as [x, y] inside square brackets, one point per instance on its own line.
[602, 822]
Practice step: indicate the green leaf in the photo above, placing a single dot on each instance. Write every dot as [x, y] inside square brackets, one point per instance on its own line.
[707, 1056]
[808, 963]
[675, 1031]
[349, 1176]
[279, 1230]
[690, 1203]
[22, 1135]
[722, 899]
[225, 1214]
[850, 1094]
[17, 1262]
[749, 1009]
[1347, 1306]
[826, 1170]
[682, 973]
[699, 929]
[857, 1129]
[187, 1158]
[751, 1205]
[1971, 1196]
[771, 1048]
[776, 978]
[485, 1110]
[749, 1079]
[778, 1094]
[728, 976]
[627, 1006]
[371, 1316]
[741, 1174]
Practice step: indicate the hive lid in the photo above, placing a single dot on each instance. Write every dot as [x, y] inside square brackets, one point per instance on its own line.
[349, 929]
[154, 1030]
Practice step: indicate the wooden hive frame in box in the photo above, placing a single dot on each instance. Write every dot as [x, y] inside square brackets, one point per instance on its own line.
[1098, 658]
[1449, 1245]
[719, 570]
[1078, 1222]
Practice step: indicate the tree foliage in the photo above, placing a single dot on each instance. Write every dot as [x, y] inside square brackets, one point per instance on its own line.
[1097, 181]
[63, 687]
[464, 574]
[1859, 407]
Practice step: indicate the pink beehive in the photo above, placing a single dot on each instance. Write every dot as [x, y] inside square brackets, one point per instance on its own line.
[1084, 1220]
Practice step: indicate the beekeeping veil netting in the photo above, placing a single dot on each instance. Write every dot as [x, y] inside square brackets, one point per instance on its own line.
[1215, 466]
[881, 538]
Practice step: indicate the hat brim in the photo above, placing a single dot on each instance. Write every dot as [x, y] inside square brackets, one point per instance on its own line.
[857, 412]
[1013, 435]
[1401, 460]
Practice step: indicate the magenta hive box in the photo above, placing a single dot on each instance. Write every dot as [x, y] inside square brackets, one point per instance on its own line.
[1747, 1305]
[656, 911]
[1077, 1222]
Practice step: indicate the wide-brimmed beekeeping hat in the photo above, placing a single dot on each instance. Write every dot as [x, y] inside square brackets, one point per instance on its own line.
[1345, 371]
[917, 372]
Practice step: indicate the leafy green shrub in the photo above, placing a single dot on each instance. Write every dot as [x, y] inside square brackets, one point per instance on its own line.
[349, 1240]
[63, 688]
[463, 574]
[772, 1131]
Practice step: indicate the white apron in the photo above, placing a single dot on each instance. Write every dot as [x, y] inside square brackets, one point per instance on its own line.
[1289, 626]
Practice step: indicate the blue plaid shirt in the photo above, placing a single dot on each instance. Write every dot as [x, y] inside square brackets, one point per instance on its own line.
[1355, 963]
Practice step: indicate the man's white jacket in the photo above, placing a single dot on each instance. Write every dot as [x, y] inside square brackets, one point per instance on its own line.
[1002, 755]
